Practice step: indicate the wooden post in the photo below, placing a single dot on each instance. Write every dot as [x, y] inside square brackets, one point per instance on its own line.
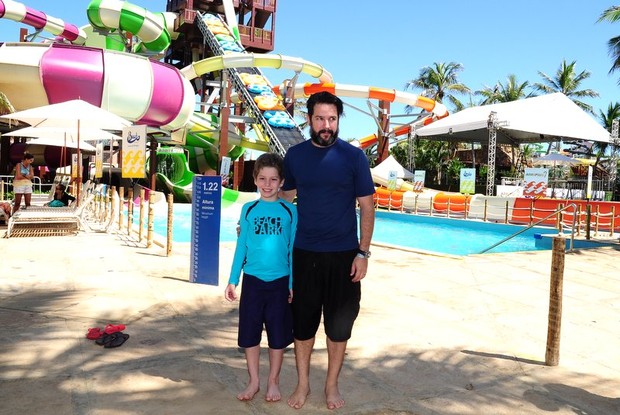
[588, 219]
[170, 199]
[466, 207]
[153, 163]
[598, 219]
[141, 221]
[121, 196]
[484, 216]
[531, 212]
[106, 203]
[552, 355]
[151, 219]
[506, 213]
[129, 210]
[612, 224]
[111, 207]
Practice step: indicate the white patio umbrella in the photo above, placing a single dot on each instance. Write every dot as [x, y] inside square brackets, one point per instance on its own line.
[43, 141]
[75, 114]
[64, 135]
[554, 159]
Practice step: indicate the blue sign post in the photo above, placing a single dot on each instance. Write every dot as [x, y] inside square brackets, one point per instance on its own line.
[206, 216]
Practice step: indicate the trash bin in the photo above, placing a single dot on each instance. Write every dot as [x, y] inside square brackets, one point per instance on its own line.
[608, 196]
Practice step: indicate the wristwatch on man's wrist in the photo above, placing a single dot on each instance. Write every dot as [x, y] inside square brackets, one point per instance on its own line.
[362, 254]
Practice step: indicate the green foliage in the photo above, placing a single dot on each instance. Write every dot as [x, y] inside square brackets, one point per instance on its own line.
[568, 82]
[439, 82]
[511, 91]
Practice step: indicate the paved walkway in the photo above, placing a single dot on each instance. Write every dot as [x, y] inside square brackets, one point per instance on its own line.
[436, 335]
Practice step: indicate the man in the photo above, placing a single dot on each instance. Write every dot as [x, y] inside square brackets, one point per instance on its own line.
[328, 176]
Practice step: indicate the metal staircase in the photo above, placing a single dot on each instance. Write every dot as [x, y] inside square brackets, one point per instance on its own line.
[279, 139]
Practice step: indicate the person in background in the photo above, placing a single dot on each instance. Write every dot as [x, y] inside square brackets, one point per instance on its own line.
[22, 182]
[61, 197]
[329, 177]
[264, 253]
[6, 208]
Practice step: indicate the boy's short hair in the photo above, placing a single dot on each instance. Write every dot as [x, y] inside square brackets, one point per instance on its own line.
[268, 160]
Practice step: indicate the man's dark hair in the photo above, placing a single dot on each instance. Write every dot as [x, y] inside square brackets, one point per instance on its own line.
[28, 156]
[268, 160]
[324, 97]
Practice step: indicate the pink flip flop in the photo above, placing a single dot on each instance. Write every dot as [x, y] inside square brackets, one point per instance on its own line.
[94, 333]
[111, 328]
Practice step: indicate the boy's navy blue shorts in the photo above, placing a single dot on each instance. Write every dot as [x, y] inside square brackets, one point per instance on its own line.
[265, 303]
[322, 284]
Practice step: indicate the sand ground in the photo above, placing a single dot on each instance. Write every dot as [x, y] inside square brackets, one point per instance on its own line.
[436, 334]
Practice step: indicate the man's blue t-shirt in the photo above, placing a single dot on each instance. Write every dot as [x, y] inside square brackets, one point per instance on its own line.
[328, 181]
[265, 244]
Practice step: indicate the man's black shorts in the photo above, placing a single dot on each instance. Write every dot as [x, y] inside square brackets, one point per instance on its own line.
[322, 283]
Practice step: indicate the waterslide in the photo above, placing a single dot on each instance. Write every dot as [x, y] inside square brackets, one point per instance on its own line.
[179, 176]
[139, 89]
[145, 91]
[23, 14]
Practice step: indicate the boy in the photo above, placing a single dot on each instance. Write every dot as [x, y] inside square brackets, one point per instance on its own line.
[264, 252]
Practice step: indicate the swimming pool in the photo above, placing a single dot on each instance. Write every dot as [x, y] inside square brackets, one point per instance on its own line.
[434, 234]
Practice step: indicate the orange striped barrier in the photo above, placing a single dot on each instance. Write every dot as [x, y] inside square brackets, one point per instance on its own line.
[389, 199]
[457, 201]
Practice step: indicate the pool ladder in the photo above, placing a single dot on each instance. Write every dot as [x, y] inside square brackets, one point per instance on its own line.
[572, 234]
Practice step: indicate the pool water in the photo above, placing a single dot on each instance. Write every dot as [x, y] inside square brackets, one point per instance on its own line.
[440, 235]
[453, 236]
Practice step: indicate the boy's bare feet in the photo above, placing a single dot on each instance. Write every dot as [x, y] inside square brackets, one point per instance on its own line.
[273, 393]
[333, 398]
[248, 393]
[298, 398]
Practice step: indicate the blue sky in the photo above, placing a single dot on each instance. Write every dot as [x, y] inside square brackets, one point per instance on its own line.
[388, 44]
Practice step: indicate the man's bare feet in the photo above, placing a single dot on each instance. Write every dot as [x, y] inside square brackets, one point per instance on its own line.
[298, 398]
[248, 393]
[333, 398]
[273, 393]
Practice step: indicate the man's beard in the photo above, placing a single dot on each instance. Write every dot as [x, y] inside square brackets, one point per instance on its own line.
[323, 142]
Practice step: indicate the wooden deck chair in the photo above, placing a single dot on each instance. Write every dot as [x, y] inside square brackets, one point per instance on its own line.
[45, 220]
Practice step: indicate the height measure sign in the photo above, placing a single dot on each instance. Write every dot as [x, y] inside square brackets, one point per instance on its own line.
[206, 216]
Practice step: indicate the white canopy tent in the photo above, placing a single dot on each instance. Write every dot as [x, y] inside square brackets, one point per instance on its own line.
[390, 164]
[547, 118]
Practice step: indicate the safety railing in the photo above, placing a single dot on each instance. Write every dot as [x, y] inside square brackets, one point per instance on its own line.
[556, 212]
[6, 185]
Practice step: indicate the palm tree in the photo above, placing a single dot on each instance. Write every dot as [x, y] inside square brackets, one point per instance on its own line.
[607, 119]
[512, 91]
[439, 82]
[612, 15]
[567, 81]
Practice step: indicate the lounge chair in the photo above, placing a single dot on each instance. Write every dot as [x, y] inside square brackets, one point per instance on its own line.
[47, 221]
